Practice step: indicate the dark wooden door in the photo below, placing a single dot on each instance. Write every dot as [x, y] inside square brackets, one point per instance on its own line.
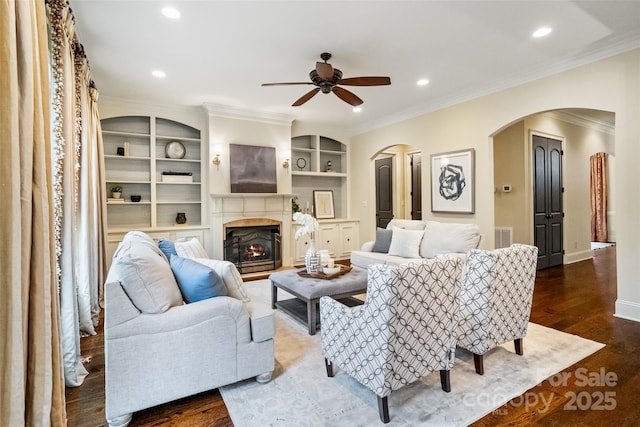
[416, 186]
[547, 200]
[384, 191]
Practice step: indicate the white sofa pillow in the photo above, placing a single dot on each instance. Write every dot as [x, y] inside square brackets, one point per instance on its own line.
[407, 224]
[229, 274]
[191, 248]
[405, 243]
[441, 238]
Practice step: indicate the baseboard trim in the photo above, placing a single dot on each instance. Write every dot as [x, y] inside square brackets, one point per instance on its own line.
[627, 310]
[572, 257]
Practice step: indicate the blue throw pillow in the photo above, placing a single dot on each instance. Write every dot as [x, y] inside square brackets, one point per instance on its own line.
[383, 240]
[196, 281]
[167, 247]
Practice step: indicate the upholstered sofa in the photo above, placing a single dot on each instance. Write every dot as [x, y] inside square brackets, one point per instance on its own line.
[404, 241]
[175, 327]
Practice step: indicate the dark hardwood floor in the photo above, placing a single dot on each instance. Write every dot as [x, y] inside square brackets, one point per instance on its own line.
[577, 298]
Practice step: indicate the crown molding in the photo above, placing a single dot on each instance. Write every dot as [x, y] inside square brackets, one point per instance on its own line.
[229, 112]
[578, 120]
[614, 47]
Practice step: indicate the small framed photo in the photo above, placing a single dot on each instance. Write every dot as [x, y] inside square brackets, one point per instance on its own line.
[452, 182]
[323, 204]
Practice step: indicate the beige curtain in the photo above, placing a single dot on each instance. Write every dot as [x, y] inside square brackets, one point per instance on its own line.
[31, 381]
[79, 191]
[599, 197]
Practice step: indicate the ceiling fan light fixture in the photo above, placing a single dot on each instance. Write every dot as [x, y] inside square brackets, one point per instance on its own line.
[357, 109]
[159, 74]
[422, 82]
[327, 79]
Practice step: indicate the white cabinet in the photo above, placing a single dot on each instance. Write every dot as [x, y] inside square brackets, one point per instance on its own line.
[339, 237]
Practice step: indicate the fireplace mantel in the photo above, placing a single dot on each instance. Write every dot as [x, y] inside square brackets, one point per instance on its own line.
[231, 207]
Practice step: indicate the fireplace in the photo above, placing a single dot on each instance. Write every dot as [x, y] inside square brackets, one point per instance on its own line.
[253, 248]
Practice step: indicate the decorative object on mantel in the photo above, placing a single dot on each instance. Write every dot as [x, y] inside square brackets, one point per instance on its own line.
[309, 226]
[175, 150]
[181, 218]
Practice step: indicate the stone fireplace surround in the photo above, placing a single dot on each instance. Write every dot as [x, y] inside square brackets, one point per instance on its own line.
[249, 209]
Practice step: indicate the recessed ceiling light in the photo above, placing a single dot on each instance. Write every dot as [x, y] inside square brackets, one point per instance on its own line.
[541, 32]
[357, 109]
[159, 74]
[171, 12]
[423, 82]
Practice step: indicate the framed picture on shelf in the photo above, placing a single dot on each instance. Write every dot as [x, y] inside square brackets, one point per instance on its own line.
[323, 204]
[452, 182]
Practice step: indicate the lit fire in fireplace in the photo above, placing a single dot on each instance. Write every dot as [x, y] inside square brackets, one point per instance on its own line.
[253, 252]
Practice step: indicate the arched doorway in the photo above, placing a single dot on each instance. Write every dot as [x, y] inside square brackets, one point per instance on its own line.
[398, 183]
[582, 133]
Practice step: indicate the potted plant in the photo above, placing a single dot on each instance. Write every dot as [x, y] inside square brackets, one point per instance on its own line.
[116, 191]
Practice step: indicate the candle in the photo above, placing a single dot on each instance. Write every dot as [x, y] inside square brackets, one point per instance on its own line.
[307, 206]
[331, 263]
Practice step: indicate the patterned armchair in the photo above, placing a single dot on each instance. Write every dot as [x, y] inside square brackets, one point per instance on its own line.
[495, 304]
[405, 329]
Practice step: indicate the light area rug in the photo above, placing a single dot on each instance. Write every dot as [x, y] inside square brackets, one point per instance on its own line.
[300, 393]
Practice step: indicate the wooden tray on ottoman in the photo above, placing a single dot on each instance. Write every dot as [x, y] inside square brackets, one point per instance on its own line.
[344, 269]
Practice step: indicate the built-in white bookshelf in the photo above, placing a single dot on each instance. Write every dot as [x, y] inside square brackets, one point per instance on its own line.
[135, 158]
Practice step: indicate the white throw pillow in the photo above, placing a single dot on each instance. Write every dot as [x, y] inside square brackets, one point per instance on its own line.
[190, 249]
[407, 224]
[229, 274]
[441, 238]
[405, 243]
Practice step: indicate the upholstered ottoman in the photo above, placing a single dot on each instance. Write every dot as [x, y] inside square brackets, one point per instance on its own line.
[308, 290]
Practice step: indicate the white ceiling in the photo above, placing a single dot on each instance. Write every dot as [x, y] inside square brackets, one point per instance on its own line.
[221, 51]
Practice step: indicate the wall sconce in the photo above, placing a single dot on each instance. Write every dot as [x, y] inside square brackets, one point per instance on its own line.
[216, 161]
[285, 164]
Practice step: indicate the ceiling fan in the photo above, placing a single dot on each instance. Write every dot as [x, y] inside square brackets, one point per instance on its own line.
[327, 79]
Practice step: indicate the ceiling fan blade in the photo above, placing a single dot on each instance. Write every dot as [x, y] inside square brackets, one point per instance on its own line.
[286, 84]
[307, 96]
[365, 81]
[346, 96]
[324, 70]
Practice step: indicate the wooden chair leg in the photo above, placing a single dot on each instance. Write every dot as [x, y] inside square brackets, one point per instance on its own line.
[383, 409]
[518, 344]
[329, 367]
[445, 380]
[479, 363]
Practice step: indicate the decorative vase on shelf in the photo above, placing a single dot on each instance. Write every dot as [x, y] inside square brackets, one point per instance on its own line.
[181, 218]
[312, 258]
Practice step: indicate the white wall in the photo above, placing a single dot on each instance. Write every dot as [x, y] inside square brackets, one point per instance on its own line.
[611, 85]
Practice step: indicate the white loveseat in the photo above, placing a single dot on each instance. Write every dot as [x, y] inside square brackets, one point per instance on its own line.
[405, 241]
[159, 348]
